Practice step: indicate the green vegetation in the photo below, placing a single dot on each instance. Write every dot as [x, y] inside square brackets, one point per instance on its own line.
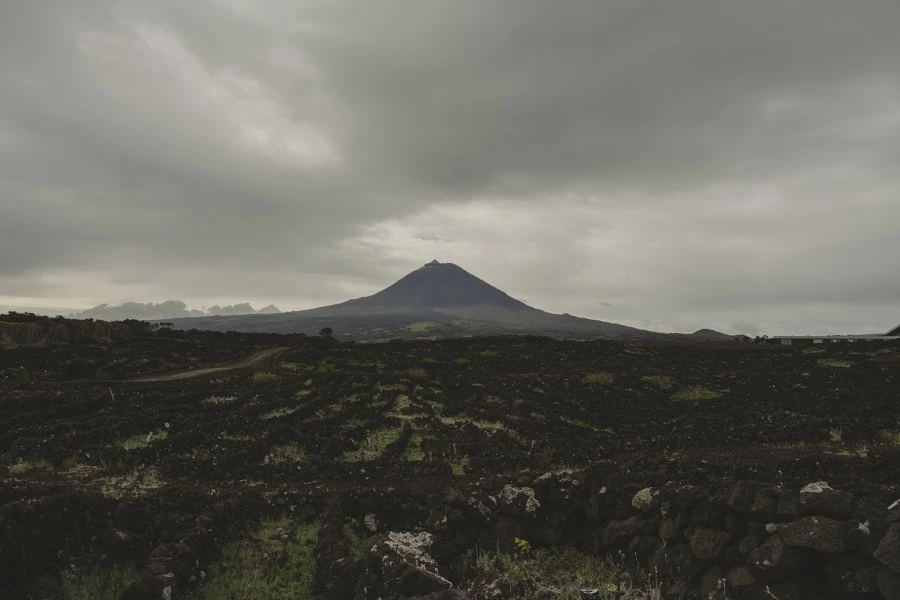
[141, 440]
[888, 436]
[662, 382]
[566, 571]
[91, 583]
[458, 466]
[276, 562]
[835, 435]
[835, 362]
[422, 326]
[355, 542]
[601, 377]
[134, 483]
[420, 373]
[695, 393]
[279, 412]
[374, 445]
[413, 451]
[302, 393]
[812, 350]
[220, 400]
[490, 353]
[24, 466]
[585, 425]
[288, 453]
[290, 366]
[462, 361]
[264, 377]
[237, 437]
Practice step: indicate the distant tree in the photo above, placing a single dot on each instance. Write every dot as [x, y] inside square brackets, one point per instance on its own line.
[327, 331]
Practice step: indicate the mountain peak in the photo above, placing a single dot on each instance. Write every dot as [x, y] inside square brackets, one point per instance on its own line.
[439, 285]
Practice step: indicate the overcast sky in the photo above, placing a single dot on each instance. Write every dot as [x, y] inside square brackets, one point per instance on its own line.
[668, 165]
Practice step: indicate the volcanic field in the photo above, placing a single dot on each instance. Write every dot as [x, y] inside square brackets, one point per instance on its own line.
[213, 465]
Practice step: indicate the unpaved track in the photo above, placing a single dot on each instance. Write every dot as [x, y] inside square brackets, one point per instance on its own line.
[255, 360]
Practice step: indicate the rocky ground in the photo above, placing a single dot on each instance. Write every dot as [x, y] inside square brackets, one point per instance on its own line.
[489, 467]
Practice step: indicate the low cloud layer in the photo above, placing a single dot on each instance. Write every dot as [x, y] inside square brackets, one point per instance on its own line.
[668, 165]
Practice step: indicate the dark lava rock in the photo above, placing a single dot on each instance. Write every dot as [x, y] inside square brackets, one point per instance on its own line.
[819, 499]
[708, 543]
[818, 533]
[888, 551]
[775, 561]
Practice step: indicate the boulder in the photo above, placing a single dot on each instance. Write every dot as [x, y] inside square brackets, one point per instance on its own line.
[711, 584]
[708, 543]
[518, 501]
[888, 551]
[407, 568]
[743, 495]
[775, 561]
[739, 577]
[888, 584]
[617, 531]
[820, 499]
[850, 575]
[818, 533]
[645, 499]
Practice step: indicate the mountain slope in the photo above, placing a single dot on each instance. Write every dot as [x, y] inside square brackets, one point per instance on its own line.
[436, 300]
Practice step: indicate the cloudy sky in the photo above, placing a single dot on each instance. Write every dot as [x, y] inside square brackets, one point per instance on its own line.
[669, 165]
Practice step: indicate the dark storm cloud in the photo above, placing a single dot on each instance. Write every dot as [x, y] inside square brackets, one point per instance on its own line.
[709, 155]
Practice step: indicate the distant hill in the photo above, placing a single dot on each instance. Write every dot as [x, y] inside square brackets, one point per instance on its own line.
[437, 300]
[170, 309]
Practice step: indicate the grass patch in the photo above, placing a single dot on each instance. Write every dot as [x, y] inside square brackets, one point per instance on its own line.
[888, 436]
[695, 393]
[567, 572]
[24, 466]
[458, 466]
[661, 382]
[290, 366]
[600, 377]
[488, 425]
[140, 440]
[413, 451]
[374, 445]
[419, 373]
[835, 362]
[276, 562]
[279, 412]
[812, 350]
[220, 400]
[585, 425]
[302, 393]
[91, 583]
[355, 542]
[835, 435]
[237, 437]
[264, 377]
[462, 361]
[283, 453]
[134, 483]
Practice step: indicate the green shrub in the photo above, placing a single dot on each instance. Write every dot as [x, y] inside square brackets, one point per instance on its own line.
[835, 362]
[91, 583]
[263, 377]
[888, 436]
[276, 562]
[662, 382]
[602, 378]
[695, 393]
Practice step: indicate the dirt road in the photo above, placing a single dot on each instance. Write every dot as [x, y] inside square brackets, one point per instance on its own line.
[250, 362]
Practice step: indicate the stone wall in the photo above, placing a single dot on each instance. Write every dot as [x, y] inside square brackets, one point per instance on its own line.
[747, 540]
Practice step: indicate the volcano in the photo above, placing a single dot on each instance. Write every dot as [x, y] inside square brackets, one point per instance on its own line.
[436, 300]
